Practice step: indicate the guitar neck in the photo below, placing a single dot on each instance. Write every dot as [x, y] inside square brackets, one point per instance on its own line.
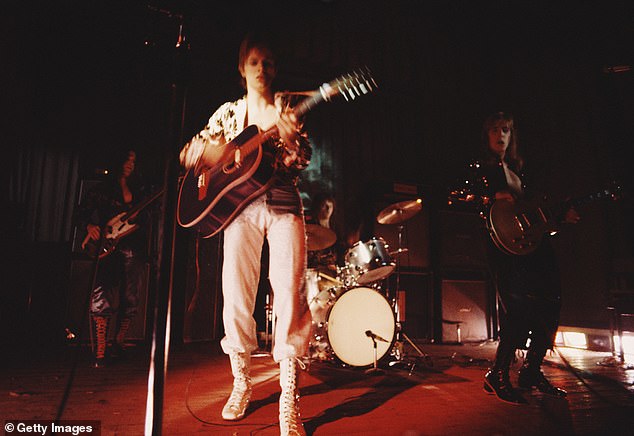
[141, 205]
[350, 86]
[599, 195]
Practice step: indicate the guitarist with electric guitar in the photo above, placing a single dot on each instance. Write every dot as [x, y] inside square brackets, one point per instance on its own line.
[522, 261]
[242, 175]
[116, 238]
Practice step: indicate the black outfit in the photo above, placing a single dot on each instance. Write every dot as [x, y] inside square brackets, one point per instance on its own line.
[528, 286]
[119, 275]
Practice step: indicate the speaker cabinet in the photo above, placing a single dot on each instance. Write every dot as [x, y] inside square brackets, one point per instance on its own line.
[77, 304]
[462, 240]
[415, 303]
[465, 305]
[202, 311]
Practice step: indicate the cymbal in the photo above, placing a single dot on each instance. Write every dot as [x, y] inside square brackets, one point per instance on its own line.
[399, 212]
[399, 251]
[318, 237]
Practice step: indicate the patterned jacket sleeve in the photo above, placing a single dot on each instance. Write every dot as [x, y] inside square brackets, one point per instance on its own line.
[213, 135]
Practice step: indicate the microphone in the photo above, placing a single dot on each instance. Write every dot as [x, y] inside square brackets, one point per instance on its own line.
[376, 337]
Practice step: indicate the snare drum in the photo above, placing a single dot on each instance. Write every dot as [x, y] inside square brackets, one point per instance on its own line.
[369, 261]
[357, 316]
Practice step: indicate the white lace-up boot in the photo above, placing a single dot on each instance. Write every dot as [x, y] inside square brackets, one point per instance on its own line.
[290, 421]
[241, 394]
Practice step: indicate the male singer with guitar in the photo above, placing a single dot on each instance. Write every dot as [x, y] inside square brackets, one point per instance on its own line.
[122, 268]
[527, 280]
[276, 214]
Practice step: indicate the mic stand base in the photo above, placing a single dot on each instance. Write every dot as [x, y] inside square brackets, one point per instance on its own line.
[375, 370]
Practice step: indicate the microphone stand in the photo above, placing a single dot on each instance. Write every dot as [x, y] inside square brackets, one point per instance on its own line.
[375, 370]
[163, 301]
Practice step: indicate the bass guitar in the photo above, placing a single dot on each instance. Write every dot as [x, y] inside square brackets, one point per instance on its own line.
[118, 227]
[211, 195]
[518, 227]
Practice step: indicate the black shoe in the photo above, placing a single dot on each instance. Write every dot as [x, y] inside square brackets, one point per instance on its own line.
[498, 383]
[536, 379]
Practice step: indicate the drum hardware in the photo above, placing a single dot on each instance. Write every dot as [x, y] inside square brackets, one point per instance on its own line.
[269, 328]
[369, 261]
[332, 279]
[340, 335]
[398, 213]
[399, 251]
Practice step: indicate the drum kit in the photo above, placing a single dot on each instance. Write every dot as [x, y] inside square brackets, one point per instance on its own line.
[355, 322]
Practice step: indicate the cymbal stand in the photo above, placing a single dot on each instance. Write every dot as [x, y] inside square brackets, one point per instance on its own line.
[400, 334]
[269, 324]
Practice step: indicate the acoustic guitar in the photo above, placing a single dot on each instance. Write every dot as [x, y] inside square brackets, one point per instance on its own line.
[212, 194]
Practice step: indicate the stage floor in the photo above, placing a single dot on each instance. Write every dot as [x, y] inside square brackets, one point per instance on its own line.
[439, 393]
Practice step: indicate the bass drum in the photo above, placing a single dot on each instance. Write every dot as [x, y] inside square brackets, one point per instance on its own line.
[356, 315]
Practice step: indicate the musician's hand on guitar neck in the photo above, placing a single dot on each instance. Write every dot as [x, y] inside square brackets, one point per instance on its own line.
[93, 233]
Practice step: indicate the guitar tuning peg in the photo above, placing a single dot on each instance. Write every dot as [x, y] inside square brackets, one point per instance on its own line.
[359, 83]
[353, 85]
[340, 88]
[349, 89]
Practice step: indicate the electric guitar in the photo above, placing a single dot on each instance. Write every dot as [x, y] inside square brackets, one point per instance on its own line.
[214, 192]
[119, 226]
[518, 227]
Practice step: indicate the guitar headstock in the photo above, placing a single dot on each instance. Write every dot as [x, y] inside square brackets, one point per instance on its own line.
[350, 86]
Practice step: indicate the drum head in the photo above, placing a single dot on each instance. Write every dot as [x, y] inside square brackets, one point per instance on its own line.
[356, 312]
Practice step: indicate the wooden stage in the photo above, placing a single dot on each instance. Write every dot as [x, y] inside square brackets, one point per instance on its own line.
[439, 393]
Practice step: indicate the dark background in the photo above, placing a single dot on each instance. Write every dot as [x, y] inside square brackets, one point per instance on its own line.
[82, 78]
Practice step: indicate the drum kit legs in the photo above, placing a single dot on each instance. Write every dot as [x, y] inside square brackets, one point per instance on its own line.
[354, 323]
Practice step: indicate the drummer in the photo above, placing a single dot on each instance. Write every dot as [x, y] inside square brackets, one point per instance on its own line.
[325, 260]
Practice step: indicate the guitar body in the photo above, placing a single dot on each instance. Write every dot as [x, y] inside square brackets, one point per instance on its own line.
[517, 228]
[211, 200]
[119, 226]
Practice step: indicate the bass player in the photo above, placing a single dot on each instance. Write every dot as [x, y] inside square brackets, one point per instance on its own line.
[123, 269]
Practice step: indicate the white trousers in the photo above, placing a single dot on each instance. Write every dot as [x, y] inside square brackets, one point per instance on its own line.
[243, 241]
